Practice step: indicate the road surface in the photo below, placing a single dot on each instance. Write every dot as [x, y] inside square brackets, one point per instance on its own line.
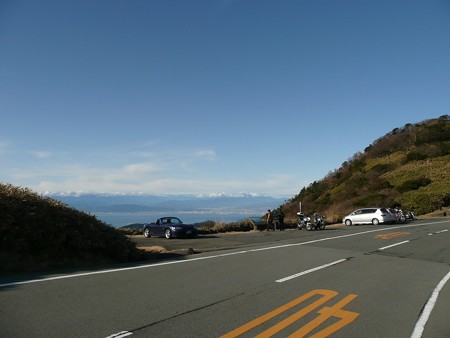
[360, 281]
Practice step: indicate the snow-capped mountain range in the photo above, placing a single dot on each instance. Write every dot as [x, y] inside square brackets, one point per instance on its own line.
[120, 202]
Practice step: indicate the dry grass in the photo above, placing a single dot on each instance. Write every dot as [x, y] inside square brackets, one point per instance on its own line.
[438, 214]
[155, 249]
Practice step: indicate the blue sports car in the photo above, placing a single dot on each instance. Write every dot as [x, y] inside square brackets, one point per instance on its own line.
[169, 227]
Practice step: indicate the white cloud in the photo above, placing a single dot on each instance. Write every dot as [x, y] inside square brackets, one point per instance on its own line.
[138, 179]
[142, 168]
[208, 154]
[42, 154]
[174, 171]
[152, 143]
[139, 153]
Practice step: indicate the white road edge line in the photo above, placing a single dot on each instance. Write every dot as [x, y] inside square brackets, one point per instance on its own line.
[83, 274]
[310, 270]
[390, 246]
[426, 312]
[437, 232]
[120, 334]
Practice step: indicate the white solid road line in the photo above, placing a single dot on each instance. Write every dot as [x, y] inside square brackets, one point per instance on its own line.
[311, 270]
[423, 319]
[120, 334]
[392, 245]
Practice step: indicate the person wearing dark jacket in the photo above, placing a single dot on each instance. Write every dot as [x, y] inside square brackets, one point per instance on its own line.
[280, 217]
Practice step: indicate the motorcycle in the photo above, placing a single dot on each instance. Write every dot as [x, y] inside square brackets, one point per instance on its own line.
[400, 215]
[410, 216]
[304, 222]
[319, 221]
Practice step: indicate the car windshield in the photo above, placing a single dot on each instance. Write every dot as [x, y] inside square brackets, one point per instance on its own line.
[171, 220]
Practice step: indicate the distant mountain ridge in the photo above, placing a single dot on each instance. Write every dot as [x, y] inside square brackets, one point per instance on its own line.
[107, 202]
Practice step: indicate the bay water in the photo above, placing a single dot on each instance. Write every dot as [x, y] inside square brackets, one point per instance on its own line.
[120, 219]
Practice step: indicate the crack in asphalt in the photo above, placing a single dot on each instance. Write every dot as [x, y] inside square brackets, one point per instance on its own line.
[186, 312]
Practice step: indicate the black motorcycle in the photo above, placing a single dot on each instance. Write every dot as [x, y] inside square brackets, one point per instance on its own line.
[410, 216]
[316, 222]
[319, 222]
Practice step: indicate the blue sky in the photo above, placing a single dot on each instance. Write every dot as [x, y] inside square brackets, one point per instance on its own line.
[218, 96]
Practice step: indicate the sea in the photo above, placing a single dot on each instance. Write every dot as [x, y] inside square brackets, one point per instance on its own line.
[120, 219]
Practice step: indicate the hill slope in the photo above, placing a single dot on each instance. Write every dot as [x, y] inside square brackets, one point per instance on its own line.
[408, 167]
[41, 233]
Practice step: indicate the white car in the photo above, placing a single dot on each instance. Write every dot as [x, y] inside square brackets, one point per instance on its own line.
[373, 216]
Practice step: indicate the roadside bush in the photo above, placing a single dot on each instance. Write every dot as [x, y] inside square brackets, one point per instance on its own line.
[39, 233]
[213, 227]
[422, 202]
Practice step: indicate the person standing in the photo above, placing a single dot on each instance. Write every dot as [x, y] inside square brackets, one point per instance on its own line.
[281, 219]
[269, 220]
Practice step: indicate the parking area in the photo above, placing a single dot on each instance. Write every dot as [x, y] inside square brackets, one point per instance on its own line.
[221, 241]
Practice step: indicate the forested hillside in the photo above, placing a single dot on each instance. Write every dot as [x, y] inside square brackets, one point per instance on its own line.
[408, 167]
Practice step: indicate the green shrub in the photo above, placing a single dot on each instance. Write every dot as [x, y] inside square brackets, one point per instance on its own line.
[422, 201]
[414, 184]
[382, 168]
[371, 200]
[219, 227]
[415, 156]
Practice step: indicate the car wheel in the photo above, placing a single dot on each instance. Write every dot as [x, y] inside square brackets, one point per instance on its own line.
[147, 233]
[168, 234]
[375, 221]
[348, 222]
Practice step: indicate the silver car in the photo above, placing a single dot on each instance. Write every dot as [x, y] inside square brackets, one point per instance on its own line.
[369, 216]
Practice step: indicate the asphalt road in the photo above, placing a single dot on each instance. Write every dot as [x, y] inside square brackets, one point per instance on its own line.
[362, 281]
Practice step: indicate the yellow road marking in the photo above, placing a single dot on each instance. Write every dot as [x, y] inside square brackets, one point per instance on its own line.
[392, 235]
[325, 313]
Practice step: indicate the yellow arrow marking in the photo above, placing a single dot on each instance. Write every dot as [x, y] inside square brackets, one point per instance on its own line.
[325, 313]
[392, 235]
